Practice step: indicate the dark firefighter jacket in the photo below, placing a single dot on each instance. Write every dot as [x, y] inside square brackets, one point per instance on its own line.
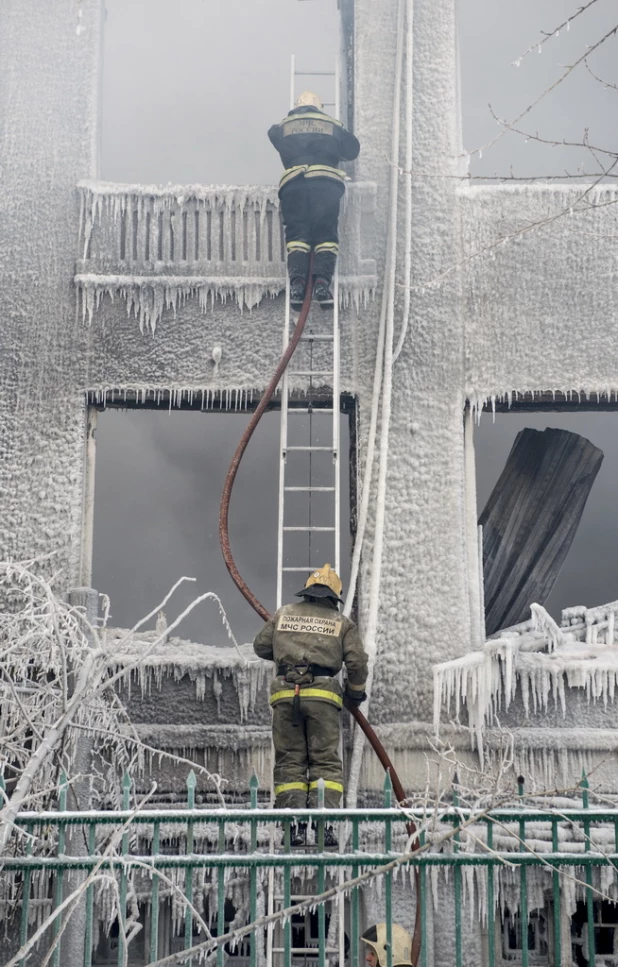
[310, 137]
[306, 632]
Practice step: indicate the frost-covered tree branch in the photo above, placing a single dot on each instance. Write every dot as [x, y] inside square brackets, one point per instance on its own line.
[55, 688]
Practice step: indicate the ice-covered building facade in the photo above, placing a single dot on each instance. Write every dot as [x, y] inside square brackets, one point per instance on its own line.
[461, 295]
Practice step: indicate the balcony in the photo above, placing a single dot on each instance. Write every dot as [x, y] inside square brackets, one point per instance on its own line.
[160, 246]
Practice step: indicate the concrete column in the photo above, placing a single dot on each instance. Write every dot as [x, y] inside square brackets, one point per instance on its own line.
[49, 93]
[425, 602]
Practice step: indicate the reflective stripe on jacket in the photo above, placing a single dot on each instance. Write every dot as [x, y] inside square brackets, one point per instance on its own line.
[320, 690]
[311, 171]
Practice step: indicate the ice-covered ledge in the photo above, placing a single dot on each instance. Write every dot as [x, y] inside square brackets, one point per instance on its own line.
[540, 304]
[181, 681]
[540, 662]
[157, 246]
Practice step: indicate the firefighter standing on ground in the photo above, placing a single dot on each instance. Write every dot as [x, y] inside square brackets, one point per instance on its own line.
[309, 641]
[311, 145]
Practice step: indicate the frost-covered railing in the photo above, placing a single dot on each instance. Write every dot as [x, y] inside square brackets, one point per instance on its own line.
[548, 861]
[158, 246]
[540, 656]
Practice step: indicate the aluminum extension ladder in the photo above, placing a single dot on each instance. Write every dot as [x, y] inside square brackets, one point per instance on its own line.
[321, 329]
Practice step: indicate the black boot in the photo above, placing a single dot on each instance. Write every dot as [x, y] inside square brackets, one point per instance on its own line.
[322, 293]
[330, 838]
[298, 834]
[297, 293]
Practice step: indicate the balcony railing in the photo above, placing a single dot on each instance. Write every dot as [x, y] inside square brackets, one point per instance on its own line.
[164, 244]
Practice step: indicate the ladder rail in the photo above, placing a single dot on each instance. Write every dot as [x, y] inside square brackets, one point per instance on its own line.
[336, 363]
[283, 436]
[336, 939]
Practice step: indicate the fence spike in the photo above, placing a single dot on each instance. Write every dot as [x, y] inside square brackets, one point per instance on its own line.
[191, 780]
[64, 788]
[126, 790]
[388, 788]
[585, 786]
[254, 784]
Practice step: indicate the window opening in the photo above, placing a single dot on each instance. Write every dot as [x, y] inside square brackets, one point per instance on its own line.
[538, 937]
[605, 915]
[587, 575]
[203, 120]
[159, 474]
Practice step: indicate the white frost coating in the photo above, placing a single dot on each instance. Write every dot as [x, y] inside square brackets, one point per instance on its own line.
[232, 398]
[541, 657]
[160, 245]
[177, 658]
[407, 174]
[534, 280]
[387, 327]
[147, 296]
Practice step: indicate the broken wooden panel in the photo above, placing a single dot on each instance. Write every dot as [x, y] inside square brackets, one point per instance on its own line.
[531, 518]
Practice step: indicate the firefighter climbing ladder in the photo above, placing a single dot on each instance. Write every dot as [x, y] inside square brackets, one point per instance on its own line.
[322, 331]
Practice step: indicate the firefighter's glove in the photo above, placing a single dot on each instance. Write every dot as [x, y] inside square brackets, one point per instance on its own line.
[357, 698]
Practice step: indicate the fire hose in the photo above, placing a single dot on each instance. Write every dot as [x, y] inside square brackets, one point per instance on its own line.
[224, 540]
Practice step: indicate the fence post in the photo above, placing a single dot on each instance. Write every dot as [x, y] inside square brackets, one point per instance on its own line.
[585, 786]
[253, 790]
[79, 926]
[388, 842]
[457, 875]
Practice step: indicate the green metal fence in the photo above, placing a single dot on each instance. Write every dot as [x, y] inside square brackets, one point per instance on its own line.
[250, 843]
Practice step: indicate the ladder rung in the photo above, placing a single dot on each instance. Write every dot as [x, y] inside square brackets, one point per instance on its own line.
[308, 528]
[322, 490]
[329, 449]
[314, 410]
[312, 372]
[314, 567]
[312, 337]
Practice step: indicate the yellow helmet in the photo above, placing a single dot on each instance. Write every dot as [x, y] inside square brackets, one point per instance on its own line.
[325, 577]
[375, 937]
[309, 99]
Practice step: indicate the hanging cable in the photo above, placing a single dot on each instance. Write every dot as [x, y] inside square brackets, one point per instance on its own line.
[385, 380]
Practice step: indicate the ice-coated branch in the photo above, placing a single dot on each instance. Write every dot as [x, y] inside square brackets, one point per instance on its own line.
[548, 34]
[74, 897]
[509, 125]
[44, 752]
[554, 142]
[606, 84]
[57, 686]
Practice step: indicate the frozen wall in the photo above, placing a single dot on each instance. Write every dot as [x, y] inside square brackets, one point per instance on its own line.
[48, 113]
[424, 609]
[503, 292]
[540, 297]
